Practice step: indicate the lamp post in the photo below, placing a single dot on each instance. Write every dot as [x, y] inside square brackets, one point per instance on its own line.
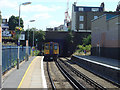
[33, 36]
[28, 41]
[26, 3]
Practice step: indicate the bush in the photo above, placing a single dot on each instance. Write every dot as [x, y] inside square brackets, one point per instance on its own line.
[81, 48]
[87, 40]
[88, 48]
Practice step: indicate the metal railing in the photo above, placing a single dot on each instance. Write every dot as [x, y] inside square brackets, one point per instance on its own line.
[9, 56]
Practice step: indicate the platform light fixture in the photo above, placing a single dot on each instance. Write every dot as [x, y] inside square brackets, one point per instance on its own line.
[26, 3]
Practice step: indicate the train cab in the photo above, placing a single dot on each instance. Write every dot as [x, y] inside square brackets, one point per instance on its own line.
[51, 50]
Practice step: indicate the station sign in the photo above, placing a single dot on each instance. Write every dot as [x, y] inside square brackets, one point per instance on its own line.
[22, 37]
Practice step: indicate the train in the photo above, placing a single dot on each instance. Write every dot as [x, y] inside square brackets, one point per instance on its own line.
[51, 51]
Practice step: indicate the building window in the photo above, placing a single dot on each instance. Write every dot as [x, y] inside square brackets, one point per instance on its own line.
[95, 17]
[81, 18]
[80, 9]
[81, 26]
[95, 9]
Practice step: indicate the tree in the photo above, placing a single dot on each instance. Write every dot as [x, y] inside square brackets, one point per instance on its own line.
[87, 40]
[69, 43]
[39, 37]
[14, 21]
[70, 38]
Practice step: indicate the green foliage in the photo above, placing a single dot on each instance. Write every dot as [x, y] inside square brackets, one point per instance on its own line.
[69, 30]
[15, 62]
[81, 48]
[70, 38]
[36, 52]
[38, 34]
[88, 48]
[14, 21]
[87, 40]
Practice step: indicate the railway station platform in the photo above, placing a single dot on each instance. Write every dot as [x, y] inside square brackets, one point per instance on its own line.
[102, 60]
[29, 75]
[106, 68]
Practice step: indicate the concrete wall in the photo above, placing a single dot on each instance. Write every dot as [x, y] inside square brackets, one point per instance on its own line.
[106, 34]
[110, 73]
[112, 33]
[98, 28]
[105, 31]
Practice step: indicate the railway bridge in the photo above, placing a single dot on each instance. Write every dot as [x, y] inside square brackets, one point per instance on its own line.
[61, 37]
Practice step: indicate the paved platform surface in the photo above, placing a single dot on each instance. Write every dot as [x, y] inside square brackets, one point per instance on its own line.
[108, 61]
[29, 75]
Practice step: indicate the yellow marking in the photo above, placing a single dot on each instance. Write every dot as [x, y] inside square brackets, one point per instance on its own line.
[25, 74]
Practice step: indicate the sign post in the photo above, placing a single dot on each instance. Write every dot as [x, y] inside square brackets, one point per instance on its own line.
[0, 56]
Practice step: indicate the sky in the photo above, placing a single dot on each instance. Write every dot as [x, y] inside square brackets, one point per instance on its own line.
[47, 13]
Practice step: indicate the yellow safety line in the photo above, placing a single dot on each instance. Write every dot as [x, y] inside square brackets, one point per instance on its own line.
[25, 74]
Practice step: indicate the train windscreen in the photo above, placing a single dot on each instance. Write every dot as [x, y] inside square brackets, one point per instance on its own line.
[55, 46]
[47, 46]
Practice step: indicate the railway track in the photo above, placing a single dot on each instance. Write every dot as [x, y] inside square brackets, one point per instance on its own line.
[52, 83]
[74, 77]
[89, 81]
[70, 78]
[102, 80]
[56, 79]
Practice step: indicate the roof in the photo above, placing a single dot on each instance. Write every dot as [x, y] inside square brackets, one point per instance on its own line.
[108, 16]
[87, 8]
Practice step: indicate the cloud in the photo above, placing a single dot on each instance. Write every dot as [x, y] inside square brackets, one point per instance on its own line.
[42, 16]
[8, 4]
[40, 8]
[54, 23]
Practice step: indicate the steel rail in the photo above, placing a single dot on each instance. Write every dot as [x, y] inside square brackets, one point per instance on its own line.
[52, 83]
[84, 77]
[70, 78]
[114, 83]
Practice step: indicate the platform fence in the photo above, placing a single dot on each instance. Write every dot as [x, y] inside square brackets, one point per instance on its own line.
[9, 56]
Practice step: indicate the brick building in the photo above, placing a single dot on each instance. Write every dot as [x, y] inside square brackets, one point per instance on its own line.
[82, 16]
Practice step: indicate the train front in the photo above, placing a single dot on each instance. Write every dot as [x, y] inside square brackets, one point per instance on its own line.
[51, 51]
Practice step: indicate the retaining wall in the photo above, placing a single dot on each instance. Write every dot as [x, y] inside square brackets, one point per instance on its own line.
[106, 71]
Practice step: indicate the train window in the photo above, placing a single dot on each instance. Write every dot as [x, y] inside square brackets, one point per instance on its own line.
[51, 46]
[55, 46]
[46, 46]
